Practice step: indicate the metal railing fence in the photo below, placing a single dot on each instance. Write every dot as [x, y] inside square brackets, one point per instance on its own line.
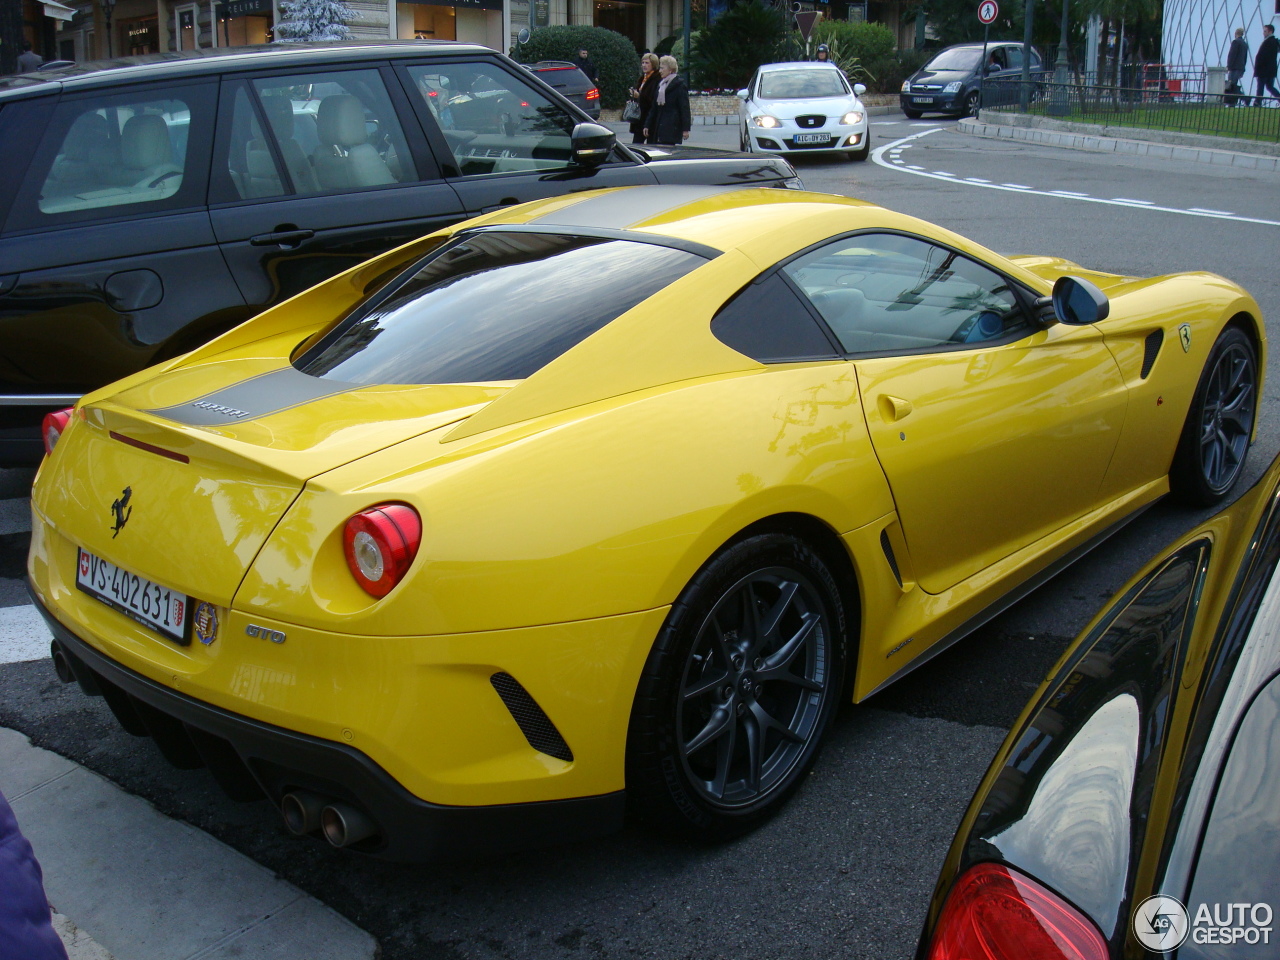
[1149, 107]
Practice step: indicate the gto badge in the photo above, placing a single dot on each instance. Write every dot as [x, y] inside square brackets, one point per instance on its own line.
[275, 636]
[121, 511]
[205, 623]
[1184, 336]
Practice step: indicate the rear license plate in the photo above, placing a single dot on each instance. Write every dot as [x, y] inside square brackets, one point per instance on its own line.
[813, 138]
[922, 99]
[159, 608]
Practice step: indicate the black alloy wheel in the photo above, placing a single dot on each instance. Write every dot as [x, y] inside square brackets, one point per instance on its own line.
[971, 103]
[739, 690]
[1215, 438]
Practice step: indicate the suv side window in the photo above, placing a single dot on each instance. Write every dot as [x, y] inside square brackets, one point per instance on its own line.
[336, 130]
[889, 293]
[492, 121]
[119, 153]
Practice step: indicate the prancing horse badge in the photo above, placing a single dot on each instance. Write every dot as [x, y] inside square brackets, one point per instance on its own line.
[1184, 336]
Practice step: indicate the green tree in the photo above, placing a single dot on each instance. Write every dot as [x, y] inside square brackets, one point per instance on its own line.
[743, 37]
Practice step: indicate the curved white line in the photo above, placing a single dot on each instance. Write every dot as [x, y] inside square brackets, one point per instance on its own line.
[877, 156]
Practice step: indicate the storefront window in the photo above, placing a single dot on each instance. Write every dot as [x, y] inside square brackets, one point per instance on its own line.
[244, 22]
[140, 35]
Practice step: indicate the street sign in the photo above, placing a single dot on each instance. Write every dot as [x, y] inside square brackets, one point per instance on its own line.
[805, 20]
[988, 10]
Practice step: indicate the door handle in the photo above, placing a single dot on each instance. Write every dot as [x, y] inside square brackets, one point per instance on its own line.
[282, 238]
[894, 409]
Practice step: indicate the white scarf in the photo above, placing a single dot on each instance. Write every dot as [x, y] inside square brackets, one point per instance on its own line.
[662, 88]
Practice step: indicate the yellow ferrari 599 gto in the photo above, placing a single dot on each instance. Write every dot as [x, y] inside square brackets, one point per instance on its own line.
[605, 502]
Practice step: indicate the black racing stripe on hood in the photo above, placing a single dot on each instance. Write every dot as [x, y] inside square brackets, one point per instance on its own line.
[258, 396]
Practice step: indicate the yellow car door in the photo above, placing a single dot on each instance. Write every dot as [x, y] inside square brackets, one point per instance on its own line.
[992, 430]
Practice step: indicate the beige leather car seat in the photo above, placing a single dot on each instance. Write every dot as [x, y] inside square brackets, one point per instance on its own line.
[279, 110]
[146, 154]
[345, 158]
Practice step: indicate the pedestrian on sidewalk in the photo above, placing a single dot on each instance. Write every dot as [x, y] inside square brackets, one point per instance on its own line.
[643, 94]
[669, 120]
[26, 927]
[1264, 65]
[1237, 60]
[28, 60]
[583, 63]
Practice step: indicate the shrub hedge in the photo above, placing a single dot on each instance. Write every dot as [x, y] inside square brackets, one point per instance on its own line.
[617, 62]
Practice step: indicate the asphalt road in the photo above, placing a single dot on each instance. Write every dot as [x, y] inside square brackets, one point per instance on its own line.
[846, 870]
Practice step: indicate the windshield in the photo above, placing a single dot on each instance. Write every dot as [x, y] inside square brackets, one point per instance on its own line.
[802, 84]
[492, 306]
[965, 58]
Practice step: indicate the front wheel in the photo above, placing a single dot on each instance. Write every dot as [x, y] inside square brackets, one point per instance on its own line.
[971, 103]
[911, 114]
[739, 690]
[864, 152]
[1215, 438]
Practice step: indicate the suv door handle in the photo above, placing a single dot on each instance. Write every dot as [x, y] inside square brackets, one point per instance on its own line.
[282, 238]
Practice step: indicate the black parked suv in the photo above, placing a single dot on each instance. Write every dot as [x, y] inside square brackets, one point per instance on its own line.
[151, 203]
[570, 82]
[951, 82]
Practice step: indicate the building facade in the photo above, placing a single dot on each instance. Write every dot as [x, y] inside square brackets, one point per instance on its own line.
[1197, 33]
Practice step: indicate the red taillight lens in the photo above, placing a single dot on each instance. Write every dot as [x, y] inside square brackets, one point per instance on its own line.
[593, 93]
[380, 544]
[54, 424]
[995, 913]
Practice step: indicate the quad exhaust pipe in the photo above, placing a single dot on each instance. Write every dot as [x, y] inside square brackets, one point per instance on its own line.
[341, 825]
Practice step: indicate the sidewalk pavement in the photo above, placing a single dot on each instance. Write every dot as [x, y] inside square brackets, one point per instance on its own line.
[128, 883]
[1079, 137]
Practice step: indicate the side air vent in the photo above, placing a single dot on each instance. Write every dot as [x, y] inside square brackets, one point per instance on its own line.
[1150, 350]
[530, 718]
[887, 547]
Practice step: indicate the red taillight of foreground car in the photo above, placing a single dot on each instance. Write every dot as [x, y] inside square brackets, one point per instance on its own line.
[53, 426]
[593, 93]
[995, 913]
[380, 544]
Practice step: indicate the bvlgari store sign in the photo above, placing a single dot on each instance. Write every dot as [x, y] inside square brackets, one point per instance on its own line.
[244, 8]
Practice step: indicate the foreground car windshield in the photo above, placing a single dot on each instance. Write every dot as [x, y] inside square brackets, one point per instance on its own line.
[954, 60]
[801, 84]
[493, 306]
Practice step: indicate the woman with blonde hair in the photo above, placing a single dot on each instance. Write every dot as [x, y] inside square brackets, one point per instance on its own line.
[669, 121]
[643, 93]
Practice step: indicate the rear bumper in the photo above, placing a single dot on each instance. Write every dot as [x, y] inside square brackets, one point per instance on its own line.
[250, 759]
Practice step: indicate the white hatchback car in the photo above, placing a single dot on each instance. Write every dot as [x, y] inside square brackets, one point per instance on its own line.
[803, 108]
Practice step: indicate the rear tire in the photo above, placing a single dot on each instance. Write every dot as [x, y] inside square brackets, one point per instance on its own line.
[739, 690]
[1215, 438]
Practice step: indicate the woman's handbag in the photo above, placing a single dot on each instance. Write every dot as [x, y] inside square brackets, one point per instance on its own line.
[631, 112]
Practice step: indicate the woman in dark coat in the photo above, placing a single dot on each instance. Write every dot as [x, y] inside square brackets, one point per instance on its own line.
[25, 928]
[669, 121]
[643, 93]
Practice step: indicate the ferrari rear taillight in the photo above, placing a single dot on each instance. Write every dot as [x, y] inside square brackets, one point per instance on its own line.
[996, 913]
[54, 424]
[593, 93]
[380, 544]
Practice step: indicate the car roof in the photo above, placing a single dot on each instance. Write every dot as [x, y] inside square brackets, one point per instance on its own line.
[218, 60]
[798, 65]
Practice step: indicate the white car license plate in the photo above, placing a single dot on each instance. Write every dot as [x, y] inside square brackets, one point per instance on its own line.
[922, 99]
[813, 137]
[163, 610]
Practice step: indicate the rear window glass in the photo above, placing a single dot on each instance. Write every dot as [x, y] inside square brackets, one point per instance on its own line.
[493, 306]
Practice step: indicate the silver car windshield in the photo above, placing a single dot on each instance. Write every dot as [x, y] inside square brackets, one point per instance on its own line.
[802, 84]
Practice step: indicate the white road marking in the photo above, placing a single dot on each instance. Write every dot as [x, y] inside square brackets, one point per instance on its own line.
[15, 515]
[1143, 203]
[23, 634]
[887, 123]
[1067, 193]
[975, 180]
[877, 157]
[933, 125]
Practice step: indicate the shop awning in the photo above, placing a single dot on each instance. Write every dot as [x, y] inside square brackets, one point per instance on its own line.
[57, 10]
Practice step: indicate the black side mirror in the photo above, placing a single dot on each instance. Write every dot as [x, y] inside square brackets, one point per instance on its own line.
[1078, 302]
[592, 144]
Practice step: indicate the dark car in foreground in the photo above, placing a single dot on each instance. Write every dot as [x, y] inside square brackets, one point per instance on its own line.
[570, 82]
[952, 82]
[1134, 809]
[152, 203]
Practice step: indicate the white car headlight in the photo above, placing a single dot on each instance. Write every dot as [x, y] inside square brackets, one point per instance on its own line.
[906, 86]
[952, 87]
[853, 116]
[766, 121]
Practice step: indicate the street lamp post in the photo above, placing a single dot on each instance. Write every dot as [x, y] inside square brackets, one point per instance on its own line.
[1060, 105]
[1024, 88]
[108, 7]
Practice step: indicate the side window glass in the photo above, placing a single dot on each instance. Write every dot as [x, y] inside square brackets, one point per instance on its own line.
[886, 293]
[1014, 55]
[251, 166]
[336, 131]
[116, 152]
[768, 322]
[493, 122]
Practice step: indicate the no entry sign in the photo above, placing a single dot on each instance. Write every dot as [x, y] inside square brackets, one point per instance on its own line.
[988, 10]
